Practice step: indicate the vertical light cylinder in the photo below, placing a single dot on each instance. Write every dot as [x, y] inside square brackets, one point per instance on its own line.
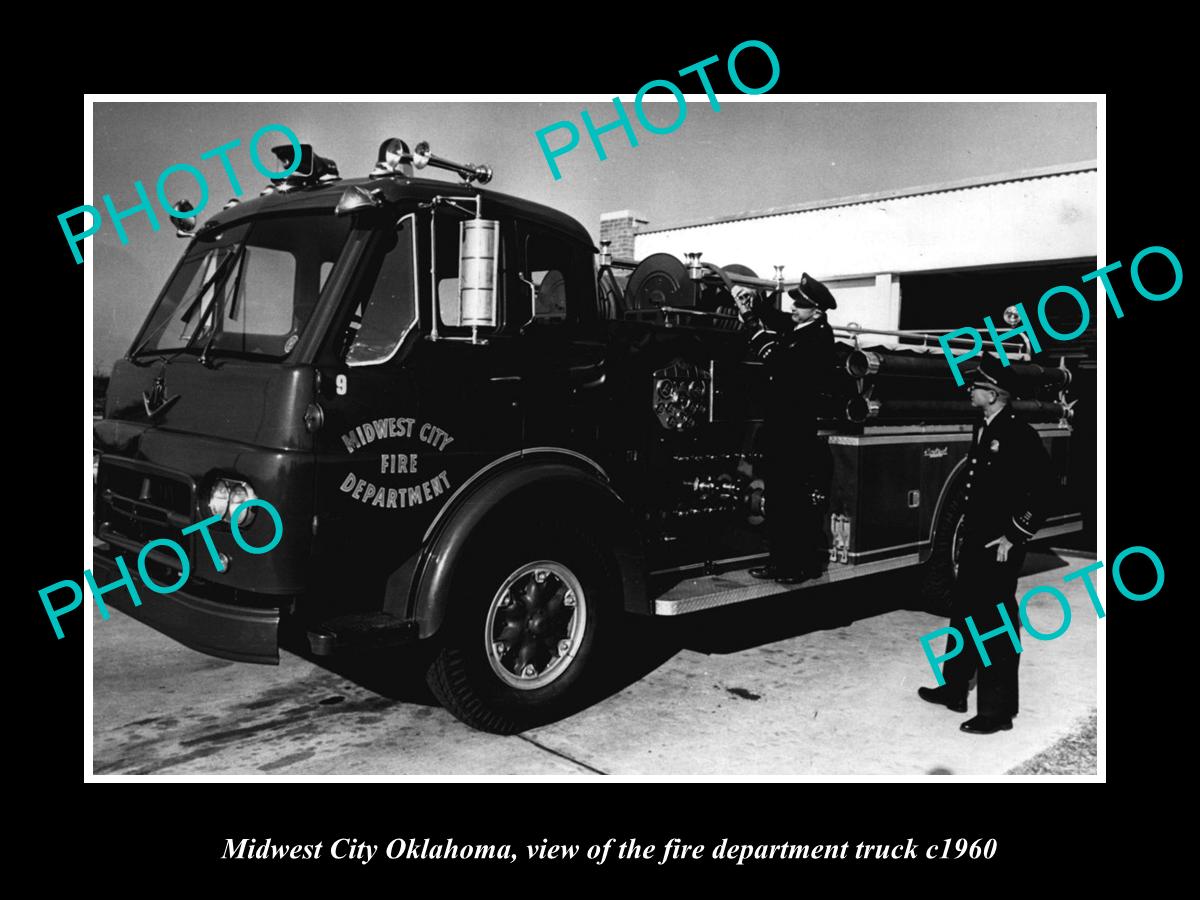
[479, 267]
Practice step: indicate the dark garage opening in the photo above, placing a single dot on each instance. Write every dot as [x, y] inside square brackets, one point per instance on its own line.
[964, 297]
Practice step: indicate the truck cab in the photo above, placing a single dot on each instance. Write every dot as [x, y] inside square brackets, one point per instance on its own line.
[314, 353]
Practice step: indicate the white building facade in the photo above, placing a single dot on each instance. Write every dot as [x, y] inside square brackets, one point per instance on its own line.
[927, 257]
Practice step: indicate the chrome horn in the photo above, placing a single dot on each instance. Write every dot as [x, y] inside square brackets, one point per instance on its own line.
[421, 157]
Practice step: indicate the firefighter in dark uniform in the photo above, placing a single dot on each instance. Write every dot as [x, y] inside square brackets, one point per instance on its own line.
[797, 348]
[1008, 482]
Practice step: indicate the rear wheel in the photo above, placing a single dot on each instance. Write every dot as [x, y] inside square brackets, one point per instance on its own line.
[942, 566]
[522, 639]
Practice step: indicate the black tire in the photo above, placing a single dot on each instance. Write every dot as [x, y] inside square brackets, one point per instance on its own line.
[464, 674]
[939, 571]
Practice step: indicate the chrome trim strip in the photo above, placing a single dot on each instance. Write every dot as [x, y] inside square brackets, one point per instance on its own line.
[764, 556]
[170, 560]
[715, 562]
[575, 453]
[1056, 530]
[857, 440]
[741, 588]
[500, 460]
[950, 428]
[462, 487]
[933, 437]
[886, 549]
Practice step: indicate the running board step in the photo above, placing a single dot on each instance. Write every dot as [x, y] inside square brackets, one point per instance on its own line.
[728, 588]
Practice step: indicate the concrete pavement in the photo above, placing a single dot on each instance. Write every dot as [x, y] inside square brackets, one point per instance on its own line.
[816, 683]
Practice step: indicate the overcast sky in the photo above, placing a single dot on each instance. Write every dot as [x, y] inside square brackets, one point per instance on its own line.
[747, 155]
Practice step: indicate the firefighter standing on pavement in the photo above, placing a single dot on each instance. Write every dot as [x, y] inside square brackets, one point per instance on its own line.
[798, 351]
[1007, 485]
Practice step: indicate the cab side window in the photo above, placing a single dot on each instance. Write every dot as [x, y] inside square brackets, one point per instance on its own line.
[388, 305]
[550, 294]
[448, 300]
[559, 276]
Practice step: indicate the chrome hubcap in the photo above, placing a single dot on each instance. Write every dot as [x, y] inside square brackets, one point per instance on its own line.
[535, 624]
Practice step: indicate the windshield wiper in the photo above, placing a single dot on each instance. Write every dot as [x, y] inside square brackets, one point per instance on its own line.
[221, 273]
[237, 283]
[221, 270]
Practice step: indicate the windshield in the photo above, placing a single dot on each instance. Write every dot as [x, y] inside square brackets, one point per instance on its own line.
[249, 289]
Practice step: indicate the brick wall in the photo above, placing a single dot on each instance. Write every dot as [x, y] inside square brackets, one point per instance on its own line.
[620, 227]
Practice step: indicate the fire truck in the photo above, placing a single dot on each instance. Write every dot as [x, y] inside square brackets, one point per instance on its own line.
[484, 435]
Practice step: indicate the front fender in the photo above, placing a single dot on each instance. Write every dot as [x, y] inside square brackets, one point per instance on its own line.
[448, 547]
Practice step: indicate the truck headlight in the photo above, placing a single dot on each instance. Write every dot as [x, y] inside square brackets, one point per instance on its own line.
[239, 493]
[218, 500]
[227, 495]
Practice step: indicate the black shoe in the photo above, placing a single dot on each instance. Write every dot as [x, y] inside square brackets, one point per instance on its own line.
[763, 573]
[986, 725]
[943, 695]
[791, 577]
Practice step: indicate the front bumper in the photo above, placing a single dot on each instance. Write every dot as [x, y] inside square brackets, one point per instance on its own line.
[242, 633]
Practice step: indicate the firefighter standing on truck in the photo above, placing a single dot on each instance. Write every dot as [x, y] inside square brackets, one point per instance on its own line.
[1007, 484]
[798, 351]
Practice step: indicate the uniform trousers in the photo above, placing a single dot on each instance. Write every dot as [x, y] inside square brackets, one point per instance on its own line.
[981, 585]
[794, 527]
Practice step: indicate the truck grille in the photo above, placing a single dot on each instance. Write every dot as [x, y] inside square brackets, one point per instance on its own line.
[140, 502]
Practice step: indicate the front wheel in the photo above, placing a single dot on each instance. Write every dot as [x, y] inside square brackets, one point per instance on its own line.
[522, 638]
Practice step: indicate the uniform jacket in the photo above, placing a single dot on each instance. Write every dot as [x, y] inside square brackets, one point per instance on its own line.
[799, 362]
[1009, 480]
